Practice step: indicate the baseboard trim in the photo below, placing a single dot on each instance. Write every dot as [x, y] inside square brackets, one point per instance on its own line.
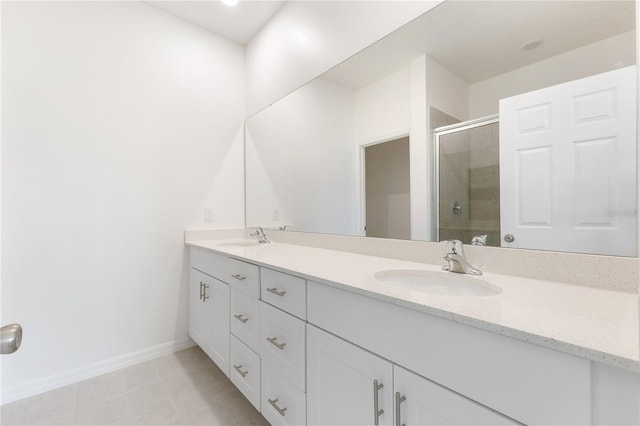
[70, 377]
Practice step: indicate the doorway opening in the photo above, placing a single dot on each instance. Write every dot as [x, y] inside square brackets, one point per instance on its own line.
[387, 196]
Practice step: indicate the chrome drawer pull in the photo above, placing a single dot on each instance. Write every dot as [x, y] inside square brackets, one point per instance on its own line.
[399, 400]
[376, 411]
[201, 284]
[273, 341]
[239, 277]
[275, 291]
[238, 369]
[278, 409]
[241, 318]
[204, 292]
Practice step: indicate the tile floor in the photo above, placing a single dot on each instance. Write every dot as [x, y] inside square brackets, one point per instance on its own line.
[185, 388]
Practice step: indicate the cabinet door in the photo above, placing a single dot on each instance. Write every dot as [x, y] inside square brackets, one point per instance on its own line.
[199, 313]
[419, 401]
[217, 295]
[209, 317]
[341, 383]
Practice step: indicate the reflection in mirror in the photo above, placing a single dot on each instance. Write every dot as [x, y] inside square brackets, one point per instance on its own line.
[468, 182]
[315, 160]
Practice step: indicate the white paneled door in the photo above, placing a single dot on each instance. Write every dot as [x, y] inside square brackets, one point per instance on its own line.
[568, 166]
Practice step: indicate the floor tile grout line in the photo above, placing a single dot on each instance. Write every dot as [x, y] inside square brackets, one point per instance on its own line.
[117, 393]
[75, 404]
[171, 401]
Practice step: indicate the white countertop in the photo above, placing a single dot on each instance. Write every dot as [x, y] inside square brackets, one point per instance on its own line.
[599, 325]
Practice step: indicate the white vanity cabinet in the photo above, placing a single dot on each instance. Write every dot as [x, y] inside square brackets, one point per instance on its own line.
[351, 386]
[229, 292]
[209, 316]
[524, 382]
[305, 352]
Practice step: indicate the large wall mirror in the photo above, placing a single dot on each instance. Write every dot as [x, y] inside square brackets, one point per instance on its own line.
[509, 124]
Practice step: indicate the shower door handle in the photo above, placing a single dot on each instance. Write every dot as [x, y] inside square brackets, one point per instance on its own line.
[456, 208]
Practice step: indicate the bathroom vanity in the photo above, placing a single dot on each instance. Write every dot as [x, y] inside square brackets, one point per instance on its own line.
[316, 336]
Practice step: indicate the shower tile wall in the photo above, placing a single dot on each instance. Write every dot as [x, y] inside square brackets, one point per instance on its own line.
[469, 174]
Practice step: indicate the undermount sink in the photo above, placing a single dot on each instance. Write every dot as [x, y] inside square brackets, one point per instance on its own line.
[436, 282]
[240, 244]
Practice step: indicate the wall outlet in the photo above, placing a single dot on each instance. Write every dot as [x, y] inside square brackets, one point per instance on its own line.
[208, 214]
[276, 215]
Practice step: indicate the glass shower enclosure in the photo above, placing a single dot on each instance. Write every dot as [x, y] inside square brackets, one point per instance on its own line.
[468, 182]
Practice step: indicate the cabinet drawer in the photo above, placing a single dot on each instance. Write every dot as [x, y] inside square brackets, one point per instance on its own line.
[208, 262]
[282, 344]
[282, 402]
[241, 275]
[284, 291]
[244, 370]
[526, 382]
[245, 318]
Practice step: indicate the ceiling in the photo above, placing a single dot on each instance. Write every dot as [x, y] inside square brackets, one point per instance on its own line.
[475, 39]
[479, 39]
[237, 23]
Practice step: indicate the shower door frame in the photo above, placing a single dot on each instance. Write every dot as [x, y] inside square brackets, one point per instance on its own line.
[445, 130]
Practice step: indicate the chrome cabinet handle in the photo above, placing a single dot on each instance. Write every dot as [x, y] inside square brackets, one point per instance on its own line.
[239, 277]
[277, 292]
[201, 284]
[376, 411]
[399, 400]
[509, 238]
[273, 341]
[204, 292]
[241, 318]
[274, 405]
[239, 370]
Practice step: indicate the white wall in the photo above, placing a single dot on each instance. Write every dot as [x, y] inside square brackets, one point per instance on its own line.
[307, 38]
[120, 123]
[383, 109]
[446, 91]
[300, 161]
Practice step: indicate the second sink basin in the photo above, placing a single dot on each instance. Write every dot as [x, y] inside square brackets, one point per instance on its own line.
[436, 282]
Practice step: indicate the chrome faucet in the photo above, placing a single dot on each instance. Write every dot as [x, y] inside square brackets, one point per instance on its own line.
[456, 260]
[262, 237]
[479, 240]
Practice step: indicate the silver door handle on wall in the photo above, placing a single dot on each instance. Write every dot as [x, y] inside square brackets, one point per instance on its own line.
[10, 338]
[376, 411]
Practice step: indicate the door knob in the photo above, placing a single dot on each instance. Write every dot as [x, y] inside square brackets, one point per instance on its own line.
[10, 338]
[509, 238]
